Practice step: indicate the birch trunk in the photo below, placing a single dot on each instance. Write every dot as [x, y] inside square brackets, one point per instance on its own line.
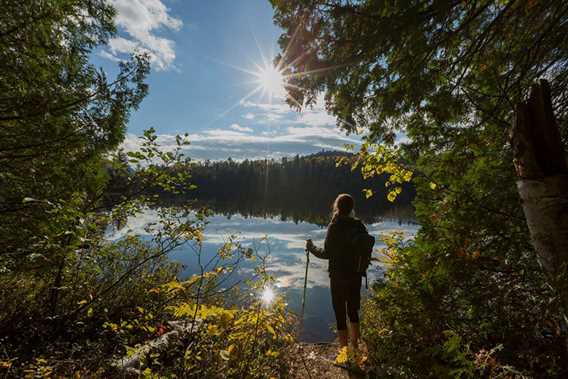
[540, 163]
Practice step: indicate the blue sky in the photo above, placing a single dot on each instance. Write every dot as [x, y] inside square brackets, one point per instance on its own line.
[197, 86]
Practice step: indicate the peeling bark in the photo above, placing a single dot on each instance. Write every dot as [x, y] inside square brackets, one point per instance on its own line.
[540, 163]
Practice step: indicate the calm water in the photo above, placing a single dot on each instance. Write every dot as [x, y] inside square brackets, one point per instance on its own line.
[286, 240]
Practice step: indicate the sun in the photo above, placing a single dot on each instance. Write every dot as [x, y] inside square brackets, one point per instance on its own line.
[271, 80]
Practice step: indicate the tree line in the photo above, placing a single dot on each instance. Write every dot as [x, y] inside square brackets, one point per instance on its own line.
[296, 188]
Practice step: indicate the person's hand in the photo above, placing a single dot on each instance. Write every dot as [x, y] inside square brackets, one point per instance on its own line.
[309, 245]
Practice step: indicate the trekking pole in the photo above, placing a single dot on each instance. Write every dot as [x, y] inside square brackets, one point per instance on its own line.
[301, 328]
[305, 286]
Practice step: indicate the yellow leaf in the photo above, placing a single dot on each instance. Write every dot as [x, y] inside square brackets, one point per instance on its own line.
[433, 186]
[271, 353]
[147, 372]
[391, 196]
[213, 330]
[173, 286]
[231, 348]
[288, 338]
[130, 351]
[270, 329]
[5, 364]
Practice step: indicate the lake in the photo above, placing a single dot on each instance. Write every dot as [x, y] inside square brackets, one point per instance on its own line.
[286, 240]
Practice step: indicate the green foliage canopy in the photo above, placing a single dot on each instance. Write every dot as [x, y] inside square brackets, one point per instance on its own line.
[394, 65]
[59, 115]
[447, 75]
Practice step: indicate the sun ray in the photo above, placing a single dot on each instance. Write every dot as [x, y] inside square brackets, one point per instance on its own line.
[271, 79]
[241, 69]
[290, 85]
[262, 57]
[288, 47]
[310, 72]
[240, 101]
[293, 99]
[297, 59]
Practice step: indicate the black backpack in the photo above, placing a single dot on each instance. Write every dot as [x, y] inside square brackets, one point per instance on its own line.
[362, 243]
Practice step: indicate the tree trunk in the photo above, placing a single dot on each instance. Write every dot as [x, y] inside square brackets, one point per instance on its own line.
[540, 163]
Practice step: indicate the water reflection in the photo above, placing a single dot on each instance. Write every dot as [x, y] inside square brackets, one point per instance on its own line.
[304, 210]
[286, 241]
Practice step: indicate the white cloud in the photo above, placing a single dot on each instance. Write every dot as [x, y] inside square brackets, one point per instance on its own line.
[139, 20]
[316, 115]
[295, 133]
[286, 240]
[239, 128]
[249, 116]
[105, 54]
[280, 108]
[119, 45]
[268, 112]
[215, 144]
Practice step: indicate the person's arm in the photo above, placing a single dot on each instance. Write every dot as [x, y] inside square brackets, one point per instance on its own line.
[318, 252]
[362, 227]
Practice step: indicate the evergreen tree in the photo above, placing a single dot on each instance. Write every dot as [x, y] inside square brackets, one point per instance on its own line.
[59, 116]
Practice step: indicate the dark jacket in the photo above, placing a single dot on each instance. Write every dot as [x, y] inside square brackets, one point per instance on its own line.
[337, 246]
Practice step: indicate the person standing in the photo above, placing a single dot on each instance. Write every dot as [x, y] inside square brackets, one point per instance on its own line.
[345, 280]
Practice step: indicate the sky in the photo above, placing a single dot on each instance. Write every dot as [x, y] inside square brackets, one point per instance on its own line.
[207, 57]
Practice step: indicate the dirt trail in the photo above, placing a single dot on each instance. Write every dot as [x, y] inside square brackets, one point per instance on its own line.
[318, 362]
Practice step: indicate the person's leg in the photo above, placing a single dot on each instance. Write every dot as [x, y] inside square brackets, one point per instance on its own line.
[354, 328]
[338, 301]
[353, 305]
[342, 337]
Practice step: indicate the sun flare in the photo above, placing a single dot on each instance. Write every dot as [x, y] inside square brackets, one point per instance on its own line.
[267, 296]
[271, 80]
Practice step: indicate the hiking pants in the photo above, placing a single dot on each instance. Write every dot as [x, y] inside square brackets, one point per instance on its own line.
[345, 298]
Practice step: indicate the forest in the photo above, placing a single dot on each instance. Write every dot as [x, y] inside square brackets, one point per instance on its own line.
[478, 89]
[300, 188]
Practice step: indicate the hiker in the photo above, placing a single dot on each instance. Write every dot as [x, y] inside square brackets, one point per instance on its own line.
[345, 280]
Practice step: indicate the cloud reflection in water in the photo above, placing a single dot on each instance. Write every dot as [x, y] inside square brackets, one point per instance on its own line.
[286, 240]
